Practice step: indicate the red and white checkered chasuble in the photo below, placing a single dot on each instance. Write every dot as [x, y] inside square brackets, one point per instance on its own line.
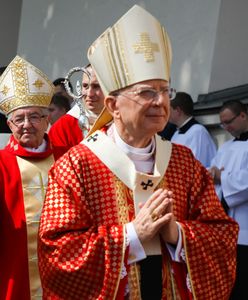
[82, 239]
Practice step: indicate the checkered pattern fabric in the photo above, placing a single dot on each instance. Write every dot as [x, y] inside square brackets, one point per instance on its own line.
[82, 245]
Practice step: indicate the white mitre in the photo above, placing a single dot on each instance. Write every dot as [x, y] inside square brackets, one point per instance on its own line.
[23, 85]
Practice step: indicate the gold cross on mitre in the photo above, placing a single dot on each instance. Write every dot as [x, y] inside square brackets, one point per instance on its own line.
[5, 90]
[38, 83]
[146, 46]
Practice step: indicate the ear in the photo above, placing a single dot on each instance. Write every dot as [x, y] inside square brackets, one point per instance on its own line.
[10, 124]
[243, 115]
[111, 104]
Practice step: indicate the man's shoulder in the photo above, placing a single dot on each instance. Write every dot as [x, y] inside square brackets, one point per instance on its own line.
[75, 158]
[199, 128]
[65, 119]
[66, 122]
[180, 149]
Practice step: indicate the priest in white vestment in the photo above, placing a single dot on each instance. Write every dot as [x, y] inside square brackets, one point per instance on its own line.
[230, 172]
[189, 131]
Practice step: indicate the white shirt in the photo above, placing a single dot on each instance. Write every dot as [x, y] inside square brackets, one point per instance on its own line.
[198, 139]
[233, 156]
[143, 160]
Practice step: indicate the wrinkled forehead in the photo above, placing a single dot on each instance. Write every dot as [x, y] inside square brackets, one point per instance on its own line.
[27, 110]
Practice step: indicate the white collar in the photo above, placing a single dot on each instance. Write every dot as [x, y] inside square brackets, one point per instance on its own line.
[143, 158]
[41, 148]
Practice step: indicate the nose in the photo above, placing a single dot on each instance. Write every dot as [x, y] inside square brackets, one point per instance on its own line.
[26, 123]
[158, 99]
[90, 91]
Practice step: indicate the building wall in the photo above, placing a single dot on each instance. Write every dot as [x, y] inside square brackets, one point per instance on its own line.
[10, 14]
[230, 64]
[208, 37]
[55, 34]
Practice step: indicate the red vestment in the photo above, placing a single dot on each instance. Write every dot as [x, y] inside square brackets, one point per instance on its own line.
[64, 134]
[14, 260]
[82, 245]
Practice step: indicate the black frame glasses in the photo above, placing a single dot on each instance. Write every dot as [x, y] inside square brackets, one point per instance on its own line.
[34, 120]
[226, 123]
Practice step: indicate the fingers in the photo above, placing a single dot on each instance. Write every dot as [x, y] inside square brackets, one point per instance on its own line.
[156, 212]
[153, 197]
[160, 204]
[164, 219]
[162, 212]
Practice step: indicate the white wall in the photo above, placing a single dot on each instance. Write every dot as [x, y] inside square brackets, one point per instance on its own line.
[10, 13]
[55, 34]
[230, 63]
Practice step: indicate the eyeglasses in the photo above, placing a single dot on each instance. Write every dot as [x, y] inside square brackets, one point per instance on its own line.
[226, 123]
[34, 120]
[152, 94]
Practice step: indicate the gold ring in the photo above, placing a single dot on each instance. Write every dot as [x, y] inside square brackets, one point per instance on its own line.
[154, 216]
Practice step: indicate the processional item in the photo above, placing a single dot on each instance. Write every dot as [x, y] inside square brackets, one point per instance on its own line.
[85, 114]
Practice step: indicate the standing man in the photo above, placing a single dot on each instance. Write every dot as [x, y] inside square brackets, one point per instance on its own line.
[230, 172]
[128, 215]
[66, 132]
[58, 107]
[189, 132]
[25, 93]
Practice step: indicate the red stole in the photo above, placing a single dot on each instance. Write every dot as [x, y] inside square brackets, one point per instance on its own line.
[14, 274]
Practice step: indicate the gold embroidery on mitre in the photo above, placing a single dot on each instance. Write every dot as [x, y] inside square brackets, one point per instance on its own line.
[38, 84]
[5, 90]
[40, 100]
[17, 84]
[146, 47]
[20, 79]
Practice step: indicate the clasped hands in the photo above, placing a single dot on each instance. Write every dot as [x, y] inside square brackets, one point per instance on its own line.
[216, 174]
[156, 216]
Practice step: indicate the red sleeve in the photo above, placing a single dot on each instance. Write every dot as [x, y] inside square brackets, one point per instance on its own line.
[79, 254]
[64, 134]
[14, 277]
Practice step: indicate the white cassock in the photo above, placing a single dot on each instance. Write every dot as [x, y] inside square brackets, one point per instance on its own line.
[233, 156]
[196, 137]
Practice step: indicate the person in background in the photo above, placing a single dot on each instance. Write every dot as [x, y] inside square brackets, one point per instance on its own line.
[189, 132]
[168, 131]
[229, 169]
[25, 93]
[127, 214]
[60, 88]
[66, 132]
[58, 107]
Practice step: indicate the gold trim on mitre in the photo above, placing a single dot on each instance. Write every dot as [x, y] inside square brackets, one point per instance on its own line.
[23, 85]
[134, 49]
